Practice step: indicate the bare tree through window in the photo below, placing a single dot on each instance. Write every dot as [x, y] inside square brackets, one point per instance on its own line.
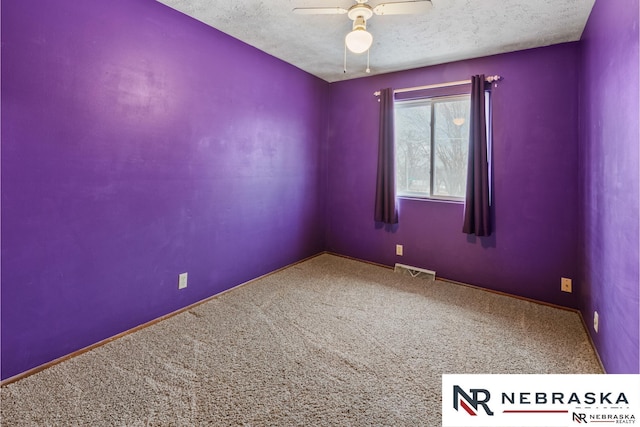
[431, 147]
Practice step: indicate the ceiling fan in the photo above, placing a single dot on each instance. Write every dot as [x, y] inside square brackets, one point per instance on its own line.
[359, 40]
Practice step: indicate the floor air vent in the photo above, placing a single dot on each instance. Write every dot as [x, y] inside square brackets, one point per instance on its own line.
[415, 271]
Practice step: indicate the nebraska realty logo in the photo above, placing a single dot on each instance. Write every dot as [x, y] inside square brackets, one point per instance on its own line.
[539, 400]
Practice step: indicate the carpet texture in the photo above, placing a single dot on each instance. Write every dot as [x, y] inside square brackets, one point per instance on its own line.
[327, 342]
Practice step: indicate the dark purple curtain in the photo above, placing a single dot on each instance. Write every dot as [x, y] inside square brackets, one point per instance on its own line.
[477, 213]
[385, 209]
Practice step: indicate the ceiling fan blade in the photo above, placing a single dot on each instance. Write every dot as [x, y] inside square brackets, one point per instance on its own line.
[403, 8]
[319, 11]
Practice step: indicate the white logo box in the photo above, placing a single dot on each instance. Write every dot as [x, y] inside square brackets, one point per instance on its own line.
[540, 400]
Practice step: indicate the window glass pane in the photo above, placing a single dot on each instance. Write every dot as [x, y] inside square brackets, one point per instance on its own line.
[451, 136]
[413, 148]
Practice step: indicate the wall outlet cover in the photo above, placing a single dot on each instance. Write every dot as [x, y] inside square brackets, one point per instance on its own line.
[182, 280]
[399, 250]
[566, 285]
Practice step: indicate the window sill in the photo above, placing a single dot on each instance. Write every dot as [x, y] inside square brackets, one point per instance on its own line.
[429, 199]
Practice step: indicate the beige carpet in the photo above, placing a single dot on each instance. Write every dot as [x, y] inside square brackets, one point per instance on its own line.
[328, 342]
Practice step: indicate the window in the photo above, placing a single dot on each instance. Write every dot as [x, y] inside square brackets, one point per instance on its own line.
[432, 142]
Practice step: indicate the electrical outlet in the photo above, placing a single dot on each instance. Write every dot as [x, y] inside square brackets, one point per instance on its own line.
[399, 250]
[565, 285]
[596, 321]
[182, 281]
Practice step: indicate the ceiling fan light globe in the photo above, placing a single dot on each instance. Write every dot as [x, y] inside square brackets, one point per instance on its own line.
[359, 41]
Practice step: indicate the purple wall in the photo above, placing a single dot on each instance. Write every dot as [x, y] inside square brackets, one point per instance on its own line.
[138, 144]
[535, 181]
[609, 139]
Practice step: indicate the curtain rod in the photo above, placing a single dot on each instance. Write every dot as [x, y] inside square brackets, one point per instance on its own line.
[489, 79]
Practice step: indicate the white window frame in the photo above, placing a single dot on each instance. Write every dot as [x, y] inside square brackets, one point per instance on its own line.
[431, 100]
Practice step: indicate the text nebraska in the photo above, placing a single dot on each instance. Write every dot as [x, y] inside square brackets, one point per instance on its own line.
[543, 398]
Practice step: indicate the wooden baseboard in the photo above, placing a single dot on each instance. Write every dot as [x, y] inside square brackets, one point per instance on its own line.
[64, 358]
[455, 282]
[548, 304]
[191, 306]
[506, 294]
[359, 260]
[593, 346]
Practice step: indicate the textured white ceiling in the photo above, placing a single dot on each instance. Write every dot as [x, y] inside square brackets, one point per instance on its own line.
[452, 30]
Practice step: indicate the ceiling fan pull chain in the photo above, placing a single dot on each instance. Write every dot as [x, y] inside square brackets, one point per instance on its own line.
[368, 70]
[344, 68]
